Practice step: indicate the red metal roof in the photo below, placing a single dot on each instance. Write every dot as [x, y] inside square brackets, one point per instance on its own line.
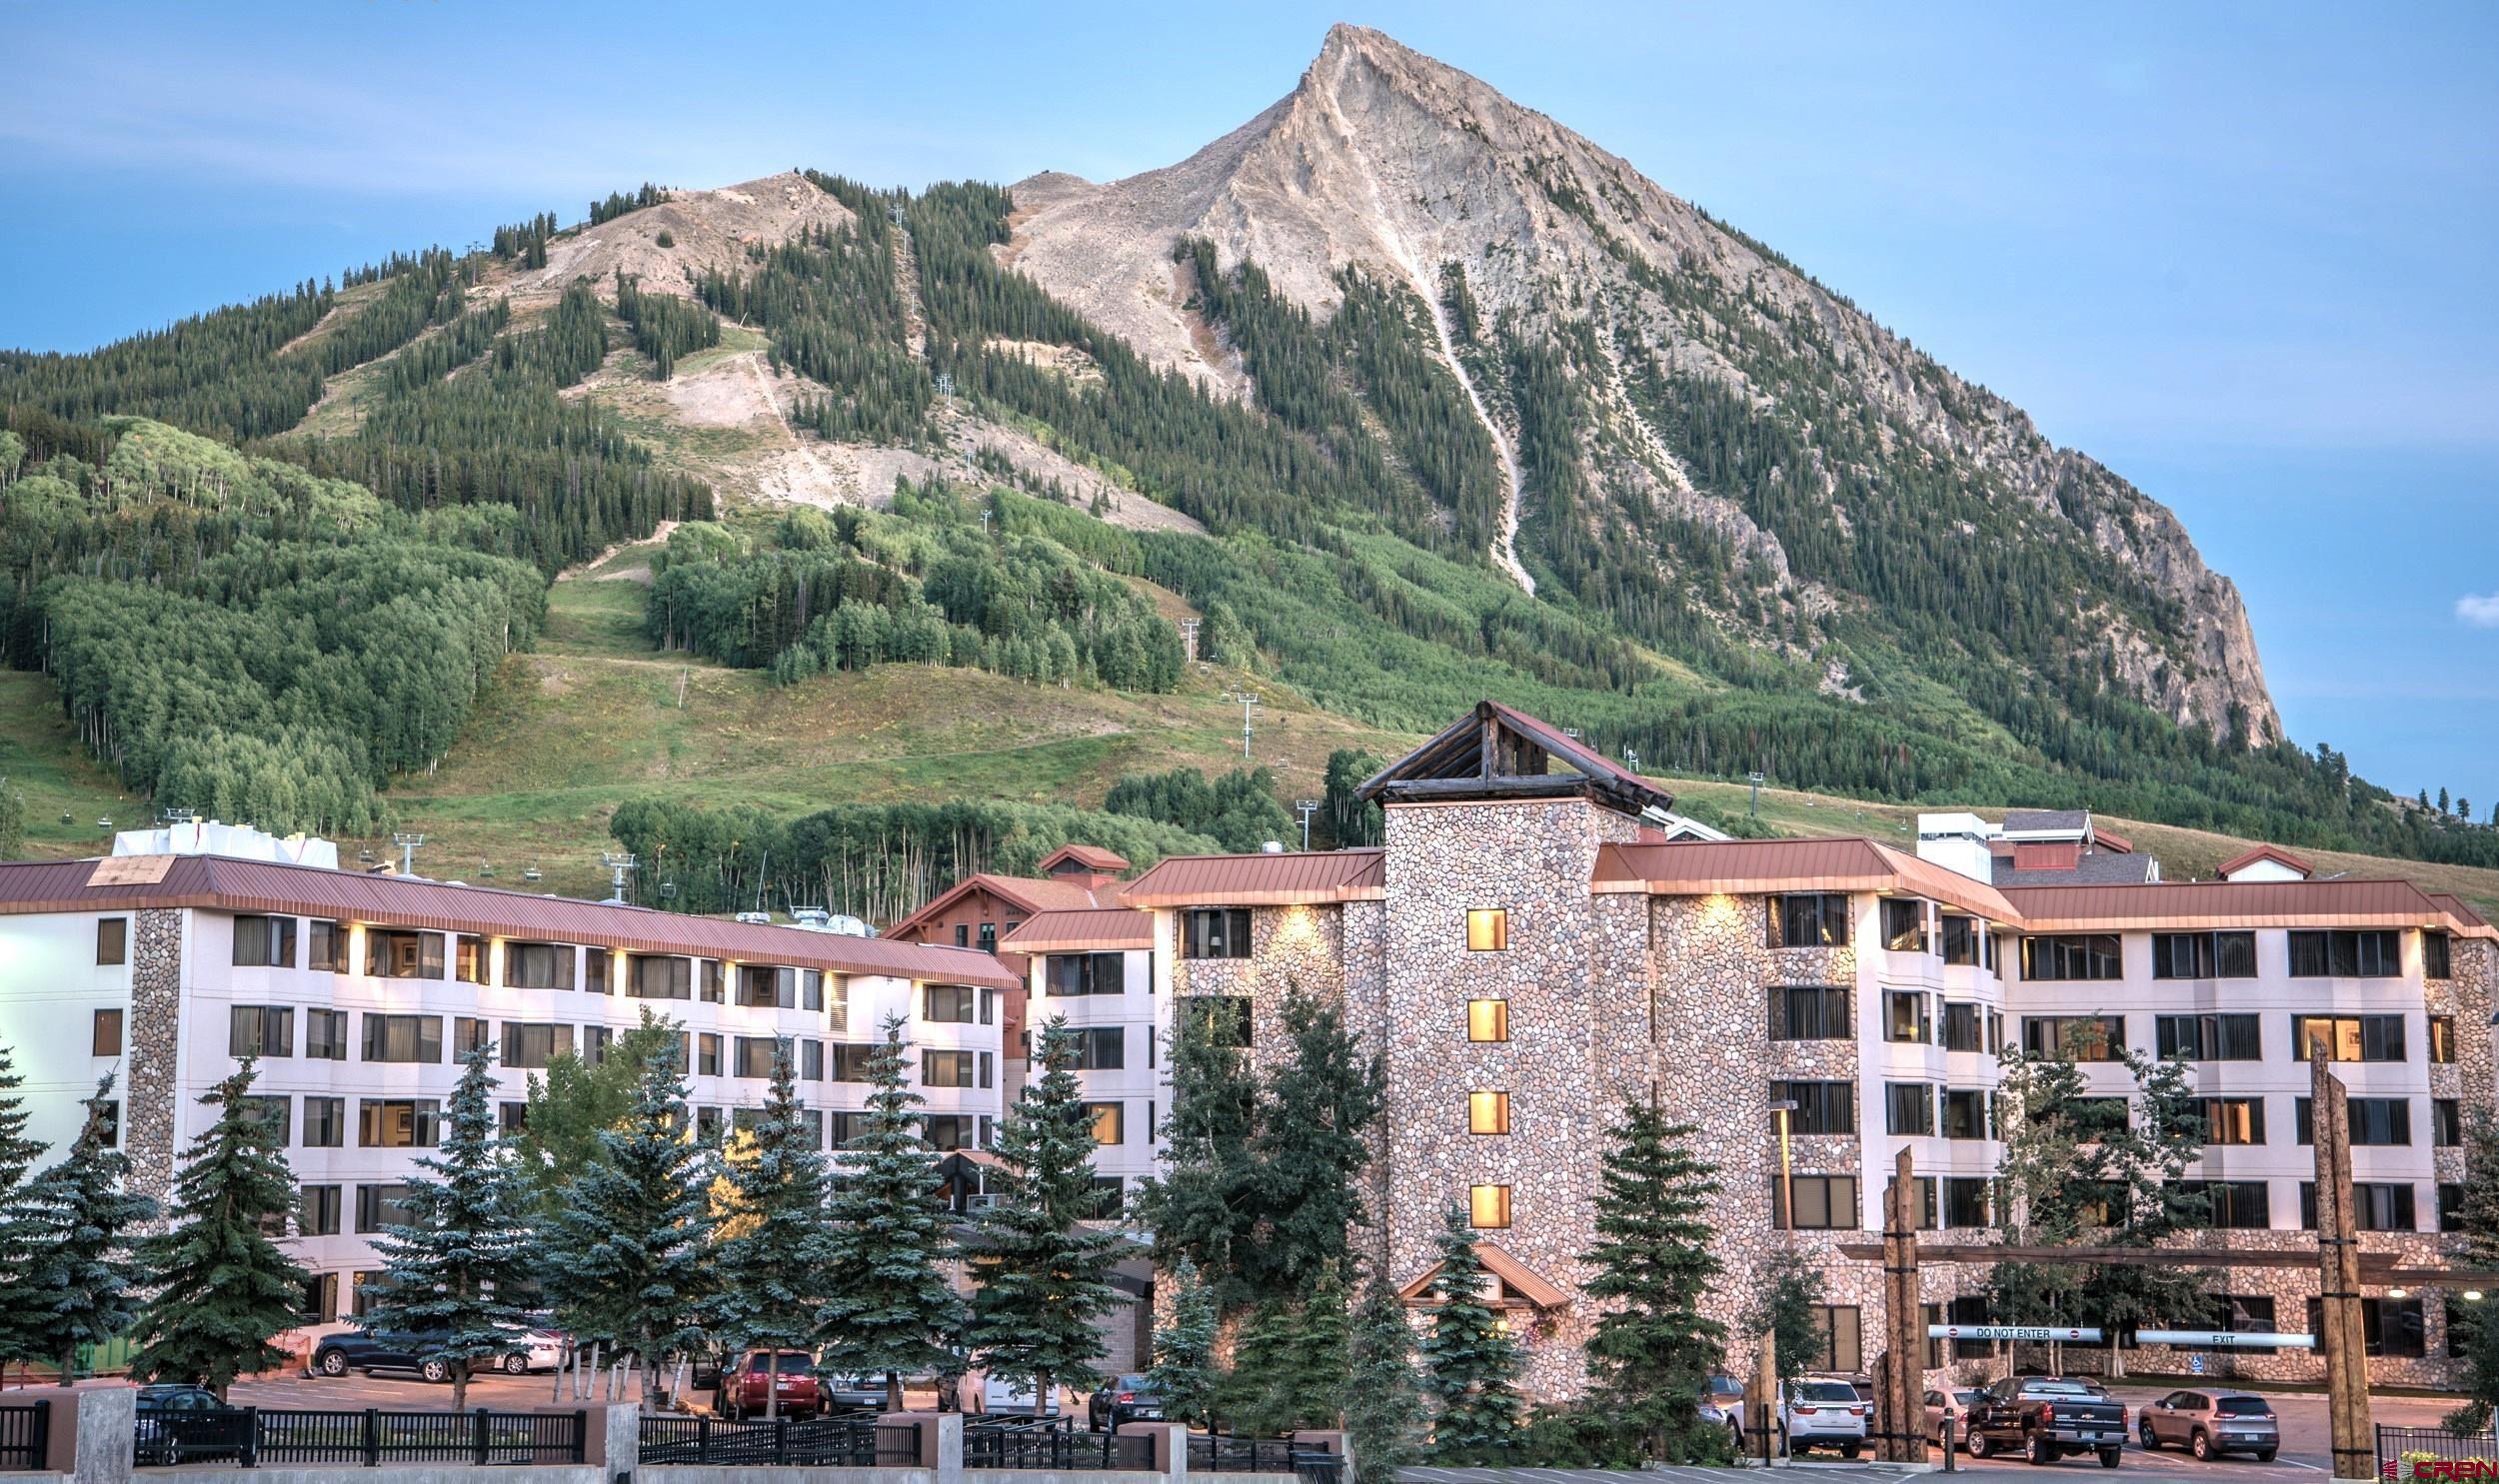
[1093, 855]
[2336, 903]
[1033, 894]
[1740, 866]
[2274, 853]
[1086, 929]
[228, 884]
[1285, 879]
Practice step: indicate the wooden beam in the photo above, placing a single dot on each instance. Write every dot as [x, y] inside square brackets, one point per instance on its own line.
[2338, 1277]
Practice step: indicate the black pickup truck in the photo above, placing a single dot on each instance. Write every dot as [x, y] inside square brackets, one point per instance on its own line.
[2043, 1418]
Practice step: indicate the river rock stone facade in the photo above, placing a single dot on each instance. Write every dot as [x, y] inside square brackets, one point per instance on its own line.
[150, 1128]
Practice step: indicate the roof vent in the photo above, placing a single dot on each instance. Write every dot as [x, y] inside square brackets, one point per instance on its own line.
[1272, 848]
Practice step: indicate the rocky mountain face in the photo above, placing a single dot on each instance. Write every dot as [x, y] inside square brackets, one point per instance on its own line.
[1720, 430]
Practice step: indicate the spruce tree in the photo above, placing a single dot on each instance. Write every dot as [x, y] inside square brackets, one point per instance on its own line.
[1471, 1364]
[773, 1254]
[1383, 1402]
[1786, 1290]
[1653, 1351]
[1315, 1107]
[79, 1283]
[630, 1254]
[460, 1266]
[1183, 1373]
[18, 1154]
[225, 1285]
[2478, 1215]
[1044, 1273]
[1201, 1206]
[890, 1311]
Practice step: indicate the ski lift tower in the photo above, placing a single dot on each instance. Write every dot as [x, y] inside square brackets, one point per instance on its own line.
[619, 863]
[1249, 700]
[407, 843]
[1305, 808]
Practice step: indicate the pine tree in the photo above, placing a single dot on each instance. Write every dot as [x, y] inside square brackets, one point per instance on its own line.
[891, 1312]
[1314, 1111]
[629, 1255]
[225, 1286]
[1383, 1401]
[18, 1154]
[772, 1269]
[1471, 1364]
[1183, 1373]
[2479, 1221]
[460, 1266]
[2166, 1134]
[1652, 1351]
[1786, 1290]
[1046, 1274]
[80, 1280]
[1200, 1207]
[2057, 1172]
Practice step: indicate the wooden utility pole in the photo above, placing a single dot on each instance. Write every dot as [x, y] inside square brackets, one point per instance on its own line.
[1900, 1407]
[1761, 1409]
[2339, 1332]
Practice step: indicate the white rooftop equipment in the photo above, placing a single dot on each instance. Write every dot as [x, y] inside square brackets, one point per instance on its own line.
[235, 841]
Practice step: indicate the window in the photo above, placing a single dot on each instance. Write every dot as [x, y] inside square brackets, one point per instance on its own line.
[947, 1130]
[1101, 1049]
[963, 934]
[850, 1063]
[105, 1037]
[325, 947]
[324, 1034]
[2375, 1206]
[2374, 1120]
[260, 1030]
[2346, 953]
[2446, 1122]
[317, 1210]
[469, 959]
[2348, 1037]
[1960, 1028]
[707, 1055]
[377, 1208]
[948, 1004]
[1823, 1202]
[511, 1117]
[659, 976]
[844, 1129]
[989, 1004]
[1214, 932]
[1225, 1018]
[2234, 1120]
[2246, 1313]
[2442, 1038]
[538, 965]
[397, 1122]
[812, 1060]
[533, 1047]
[2203, 955]
[1064, 974]
[2437, 955]
[1904, 924]
[403, 1039]
[1961, 939]
[264, 942]
[707, 1125]
[1488, 1112]
[753, 1055]
[468, 1032]
[1487, 1019]
[1807, 1013]
[2450, 1207]
[1487, 1207]
[112, 940]
[1836, 1328]
[2097, 1117]
[2389, 1326]
[989, 937]
[1109, 1121]
[1821, 1107]
[1487, 929]
[403, 956]
[767, 986]
[1906, 1017]
[2207, 1037]
[1806, 921]
[275, 1111]
[325, 1122]
[837, 1005]
[2073, 956]
[1909, 1107]
[712, 993]
[1967, 1199]
[946, 1068]
[595, 968]
[2083, 1037]
[2237, 1205]
[1966, 1113]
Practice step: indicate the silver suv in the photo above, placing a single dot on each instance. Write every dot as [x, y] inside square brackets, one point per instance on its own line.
[2213, 1422]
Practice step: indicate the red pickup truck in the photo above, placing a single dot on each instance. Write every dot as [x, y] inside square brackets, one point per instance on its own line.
[747, 1387]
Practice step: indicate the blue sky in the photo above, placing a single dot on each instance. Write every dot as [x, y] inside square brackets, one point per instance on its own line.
[2241, 253]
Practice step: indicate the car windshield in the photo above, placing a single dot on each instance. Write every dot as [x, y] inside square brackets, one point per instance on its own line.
[1725, 1386]
[1839, 1391]
[791, 1366]
[1133, 1383]
[2244, 1406]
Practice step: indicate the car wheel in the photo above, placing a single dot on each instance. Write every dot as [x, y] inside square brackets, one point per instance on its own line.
[1977, 1444]
[1851, 1450]
[2264, 1455]
[2151, 1439]
[515, 1365]
[2109, 1457]
[436, 1371]
[330, 1363]
[2037, 1450]
[2200, 1444]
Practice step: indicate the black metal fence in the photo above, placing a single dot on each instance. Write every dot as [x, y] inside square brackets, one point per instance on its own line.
[251, 1436]
[820, 1442]
[1228, 1455]
[25, 1434]
[2440, 1449]
[1050, 1443]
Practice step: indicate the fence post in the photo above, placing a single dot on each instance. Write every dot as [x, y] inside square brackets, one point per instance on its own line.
[251, 1437]
[373, 1437]
[478, 1435]
[781, 1440]
[703, 1440]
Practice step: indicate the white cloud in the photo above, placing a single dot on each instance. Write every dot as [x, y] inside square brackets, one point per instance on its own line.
[2481, 612]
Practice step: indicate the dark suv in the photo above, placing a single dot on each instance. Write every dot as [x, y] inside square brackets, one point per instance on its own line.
[373, 1350]
[1124, 1400]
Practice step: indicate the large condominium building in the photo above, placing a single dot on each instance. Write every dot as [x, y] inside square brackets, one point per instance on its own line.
[359, 994]
[1527, 952]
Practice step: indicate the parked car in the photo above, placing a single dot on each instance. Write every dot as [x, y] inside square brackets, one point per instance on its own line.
[999, 1394]
[747, 1386]
[1723, 1401]
[851, 1393]
[375, 1350]
[1125, 1399]
[2213, 1422]
[1823, 1414]
[179, 1424]
[2043, 1418]
[1957, 1405]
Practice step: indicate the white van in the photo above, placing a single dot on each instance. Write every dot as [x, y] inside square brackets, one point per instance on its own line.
[1000, 1394]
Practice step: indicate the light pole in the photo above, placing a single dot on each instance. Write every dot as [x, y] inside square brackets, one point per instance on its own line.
[1787, 1174]
[1306, 808]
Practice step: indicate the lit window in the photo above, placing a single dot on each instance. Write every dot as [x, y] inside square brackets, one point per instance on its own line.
[1488, 1206]
[1106, 1121]
[1487, 929]
[1487, 1019]
[1488, 1112]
